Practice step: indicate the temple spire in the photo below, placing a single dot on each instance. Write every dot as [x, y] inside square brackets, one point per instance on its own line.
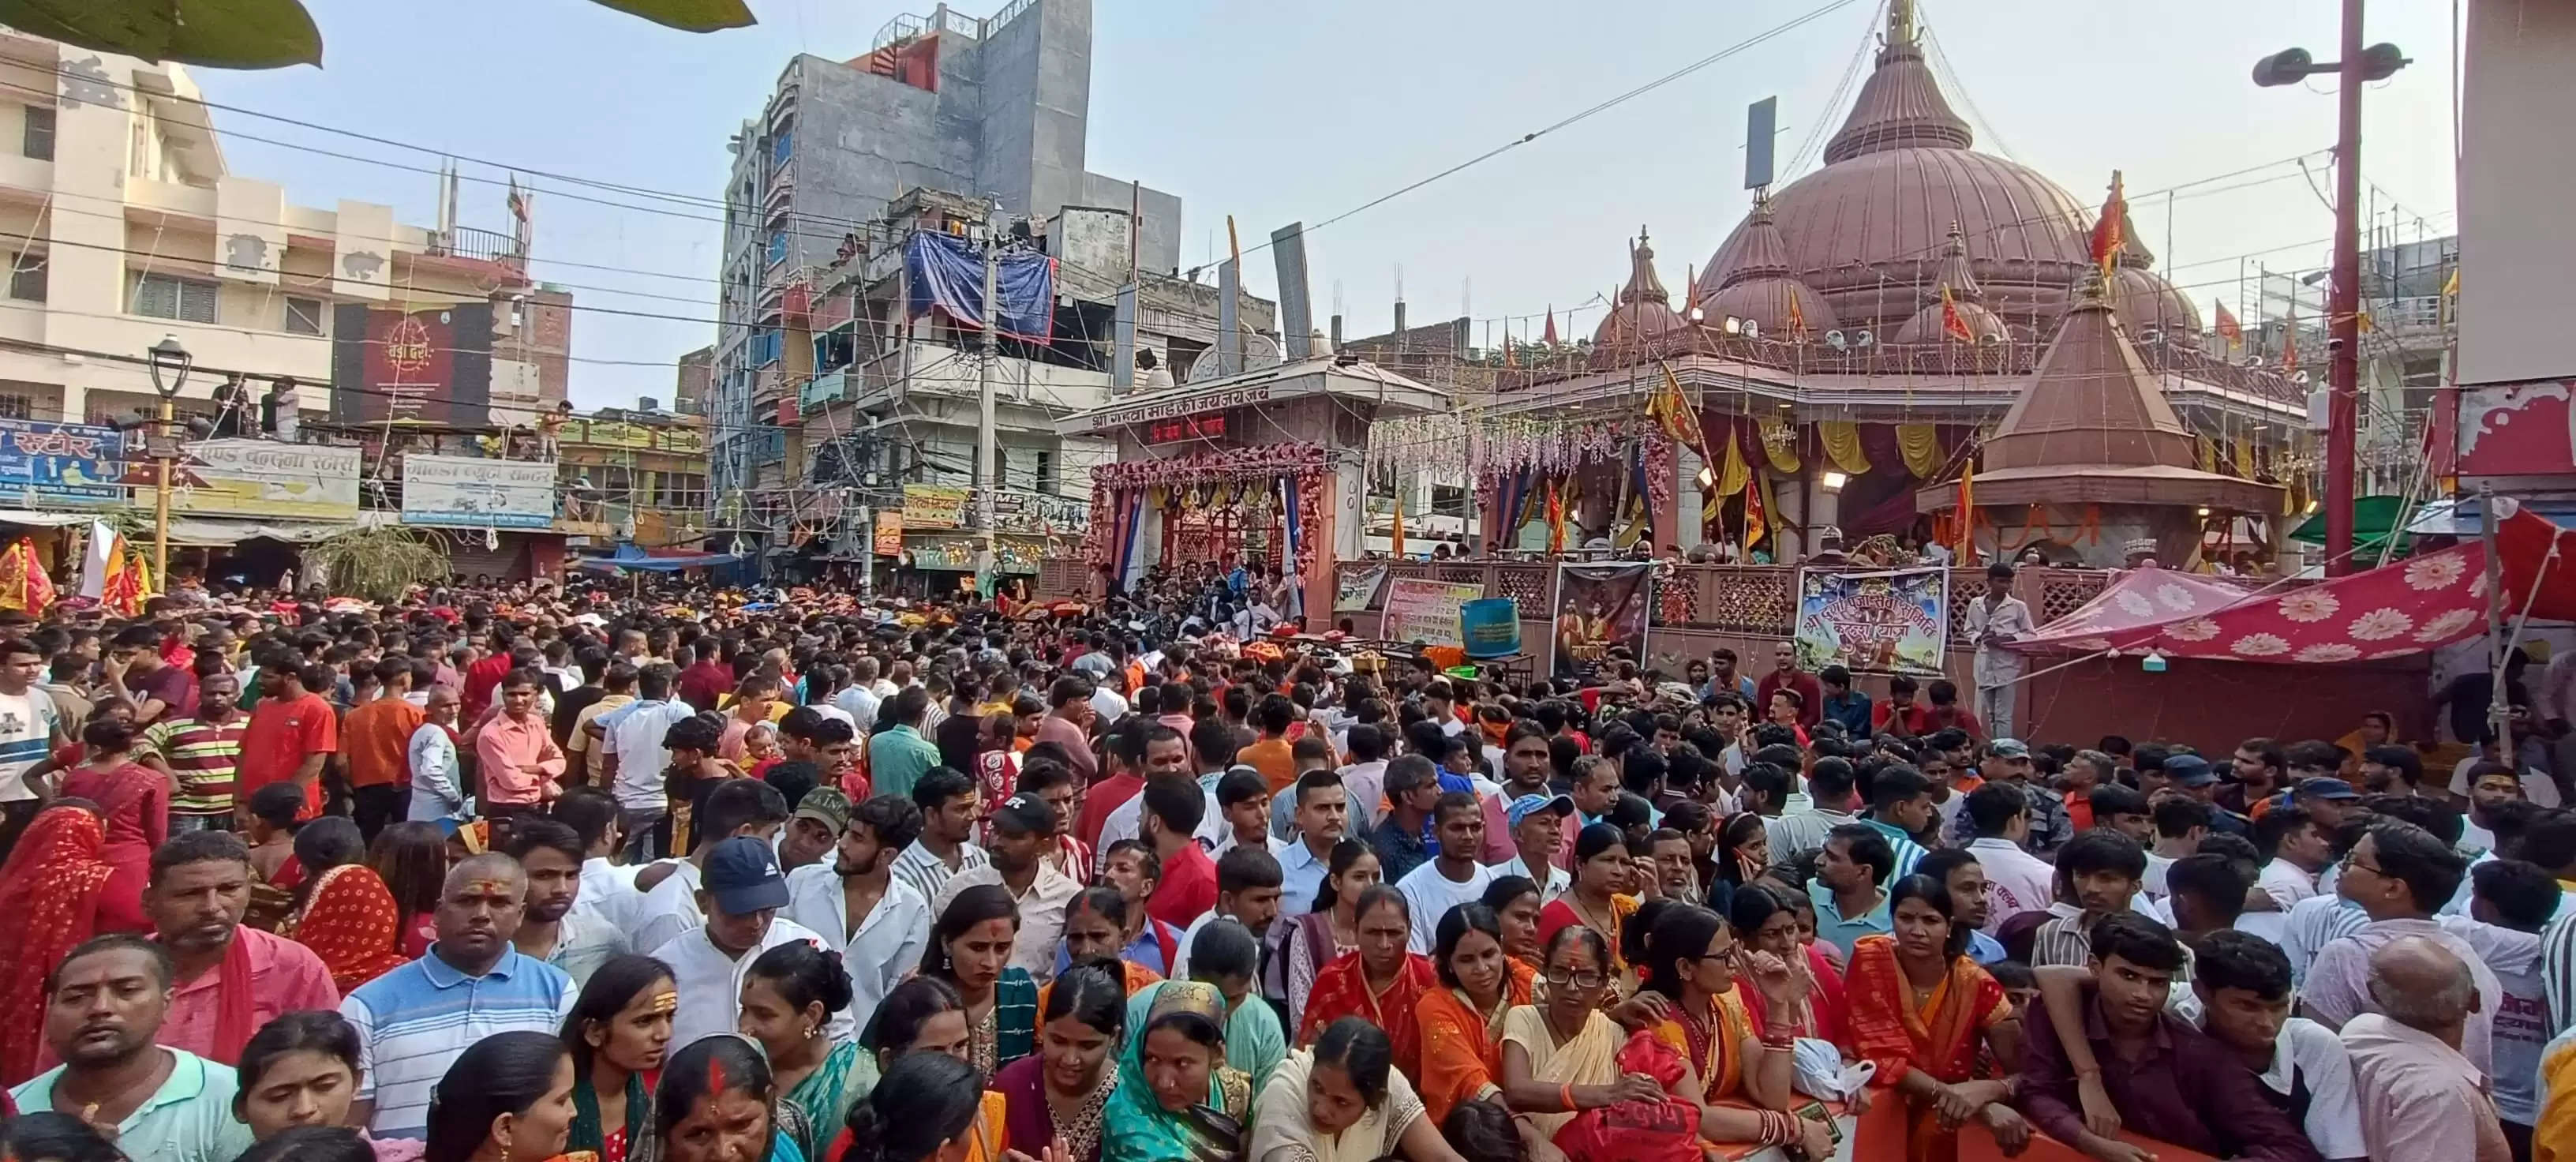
[1900, 23]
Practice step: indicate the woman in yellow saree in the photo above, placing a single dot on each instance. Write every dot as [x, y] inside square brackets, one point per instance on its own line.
[1690, 961]
[1559, 1057]
[1920, 1009]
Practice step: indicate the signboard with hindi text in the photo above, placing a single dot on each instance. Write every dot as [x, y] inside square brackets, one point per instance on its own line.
[478, 492]
[889, 534]
[1356, 585]
[934, 506]
[1891, 622]
[1427, 611]
[268, 478]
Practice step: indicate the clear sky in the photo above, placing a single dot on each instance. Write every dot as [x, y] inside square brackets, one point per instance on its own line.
[1279, 113]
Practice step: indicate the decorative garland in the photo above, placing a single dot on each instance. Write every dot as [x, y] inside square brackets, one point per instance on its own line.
[1659, 474]
[1263, 460]
[1502, 447]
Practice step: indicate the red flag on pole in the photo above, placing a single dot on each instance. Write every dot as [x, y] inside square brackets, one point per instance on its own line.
[1550, 337]
[2108, 238]
[1952, 325]
[2229, 329]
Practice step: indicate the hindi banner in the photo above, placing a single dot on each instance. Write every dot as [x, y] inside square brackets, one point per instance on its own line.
[1427, 611]
[1355, 586]
[1894, 622]
[1601, 608]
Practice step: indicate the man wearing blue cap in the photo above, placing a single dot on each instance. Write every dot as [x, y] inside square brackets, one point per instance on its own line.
[741, 890]
[1538, 833]
[2191, 774]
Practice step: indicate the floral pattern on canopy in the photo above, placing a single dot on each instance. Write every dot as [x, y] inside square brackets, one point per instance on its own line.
[1119, 490]
[2404, 607]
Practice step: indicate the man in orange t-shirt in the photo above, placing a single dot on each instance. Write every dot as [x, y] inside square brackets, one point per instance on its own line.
[1272, 754]
[378, 737]
[291, 732]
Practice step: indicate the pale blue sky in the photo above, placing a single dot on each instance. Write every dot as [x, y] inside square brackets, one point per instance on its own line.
[1281, 112]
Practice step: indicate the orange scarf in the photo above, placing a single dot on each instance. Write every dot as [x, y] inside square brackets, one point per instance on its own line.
[351, 921]
[1341, 990]
[1462, 1048]
[48, 904]
[1939, 1037]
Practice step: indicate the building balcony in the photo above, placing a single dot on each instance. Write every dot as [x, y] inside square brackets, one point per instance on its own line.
[823, 389]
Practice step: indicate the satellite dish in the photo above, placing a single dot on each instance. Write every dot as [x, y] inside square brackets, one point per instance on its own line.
[1834, 339]
[1864, 339]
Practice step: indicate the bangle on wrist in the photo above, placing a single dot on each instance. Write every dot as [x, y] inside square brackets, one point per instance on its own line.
[1565, 1093]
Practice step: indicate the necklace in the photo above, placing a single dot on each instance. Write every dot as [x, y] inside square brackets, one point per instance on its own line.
[1601, 922]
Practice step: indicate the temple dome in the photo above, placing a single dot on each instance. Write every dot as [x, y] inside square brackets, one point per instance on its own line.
[2146, 302]
[1644, 307]
[1758, 287]
[1926, 325]
[1866, 230]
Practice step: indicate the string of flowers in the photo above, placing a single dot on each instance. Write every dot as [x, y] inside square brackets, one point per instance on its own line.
[1264, 460]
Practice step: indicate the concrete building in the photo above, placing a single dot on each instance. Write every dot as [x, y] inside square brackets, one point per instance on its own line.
[124, 225]
[636, 475]
[689, 391]
[982, 109]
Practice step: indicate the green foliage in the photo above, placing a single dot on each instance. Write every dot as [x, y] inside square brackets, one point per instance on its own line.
[378, 564]
[264, 34]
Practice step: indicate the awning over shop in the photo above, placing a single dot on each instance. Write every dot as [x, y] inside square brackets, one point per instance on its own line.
[630, 558]
[217, 532]
[2457, 516]
[30, 518]
[2373, 517]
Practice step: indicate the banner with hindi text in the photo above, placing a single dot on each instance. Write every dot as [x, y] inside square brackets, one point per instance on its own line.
[1891, 622]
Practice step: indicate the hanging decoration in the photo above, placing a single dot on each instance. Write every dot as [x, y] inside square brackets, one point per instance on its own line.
[1780, 444]
[1841, 440]
[1659, 455]
[1921, 446]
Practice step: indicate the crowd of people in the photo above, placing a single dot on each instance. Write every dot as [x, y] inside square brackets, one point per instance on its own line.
[510, 874]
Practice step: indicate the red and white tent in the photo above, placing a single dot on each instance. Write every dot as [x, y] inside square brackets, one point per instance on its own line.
[2406, 607]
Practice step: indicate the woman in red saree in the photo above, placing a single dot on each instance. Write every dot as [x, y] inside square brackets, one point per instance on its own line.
[1381, 982]
[135, 800]
[49, 892]
[1461, 1022]
[1920, 1009]
[350, 921]
[1766, 920]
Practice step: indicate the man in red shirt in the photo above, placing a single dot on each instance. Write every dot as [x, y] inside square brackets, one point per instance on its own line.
[706, 681]
[484, 677]
[1170, 821]
[1785, 675]
[292, 731]
[1126, 778]
[1898, 714]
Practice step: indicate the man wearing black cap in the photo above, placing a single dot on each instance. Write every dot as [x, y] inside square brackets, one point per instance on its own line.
[741, 890]
[2191, 774]
[1023, 834]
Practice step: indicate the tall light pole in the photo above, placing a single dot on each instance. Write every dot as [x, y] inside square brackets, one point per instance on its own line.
[169, 363]
[2343, 296]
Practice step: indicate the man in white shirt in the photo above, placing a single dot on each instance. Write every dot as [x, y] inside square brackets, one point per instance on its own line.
[859, 699]
[1247, 892]
[739, 808]
[1452, 877]
[2243, 985]
[2017, 881]
[2298, 848]
[879, 924]
[742, 895]
[949, 807]
[1994, 618]
[1364, 780]
[1538, 834]
[1238, 814]
[633, 759]
[1023, 834]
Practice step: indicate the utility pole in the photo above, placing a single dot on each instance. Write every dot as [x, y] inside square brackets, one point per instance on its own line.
[988, 463]
[2357, 67]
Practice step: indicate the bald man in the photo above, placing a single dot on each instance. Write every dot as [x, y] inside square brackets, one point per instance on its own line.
[2420, 1098]
[415, 1021]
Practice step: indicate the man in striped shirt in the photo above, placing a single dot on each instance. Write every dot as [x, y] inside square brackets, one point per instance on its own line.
[199, 752]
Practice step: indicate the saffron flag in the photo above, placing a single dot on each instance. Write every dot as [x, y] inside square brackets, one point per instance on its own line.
[2229, 329]
[1797, 318]
[1754, 527]
[1671, 411]
[23, 584]
[1952, 325]
[1555, 518]
[1396, 539]
[1550, 337]
[2108, 238]
[1968, 510]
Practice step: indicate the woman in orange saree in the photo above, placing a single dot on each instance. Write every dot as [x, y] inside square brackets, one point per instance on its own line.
[1381, 983]
[1920, 1009]
[1691, 957]
[350, 921]
[1461, 1023]
[49, 892]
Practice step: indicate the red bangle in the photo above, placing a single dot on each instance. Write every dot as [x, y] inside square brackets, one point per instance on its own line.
[1565, 1093]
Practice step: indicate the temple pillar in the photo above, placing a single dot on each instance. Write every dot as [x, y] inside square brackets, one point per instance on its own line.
[1686, 500]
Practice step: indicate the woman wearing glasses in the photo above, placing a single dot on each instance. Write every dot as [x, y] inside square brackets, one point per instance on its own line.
[1559, 1056]
[1691, 958]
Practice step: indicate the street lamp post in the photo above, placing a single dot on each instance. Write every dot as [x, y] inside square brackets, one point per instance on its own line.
[2343, 297]
[169, 363]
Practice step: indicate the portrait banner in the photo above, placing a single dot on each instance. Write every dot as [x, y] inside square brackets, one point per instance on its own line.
[1427, 611]
[1894, 622]
[1601, 608]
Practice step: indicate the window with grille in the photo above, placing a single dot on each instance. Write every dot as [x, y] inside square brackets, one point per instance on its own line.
[164, 297]
[27, 278]
[14, 406]
[38, 140]
[303, 316]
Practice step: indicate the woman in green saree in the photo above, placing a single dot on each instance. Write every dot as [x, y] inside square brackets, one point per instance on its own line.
[788, 998]
[1176, 1097]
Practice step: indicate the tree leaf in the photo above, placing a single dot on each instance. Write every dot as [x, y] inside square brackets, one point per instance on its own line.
[229, 34]
[687, 15]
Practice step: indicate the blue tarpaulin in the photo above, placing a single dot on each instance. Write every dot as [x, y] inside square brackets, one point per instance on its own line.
[948, 273]
[631, 557]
